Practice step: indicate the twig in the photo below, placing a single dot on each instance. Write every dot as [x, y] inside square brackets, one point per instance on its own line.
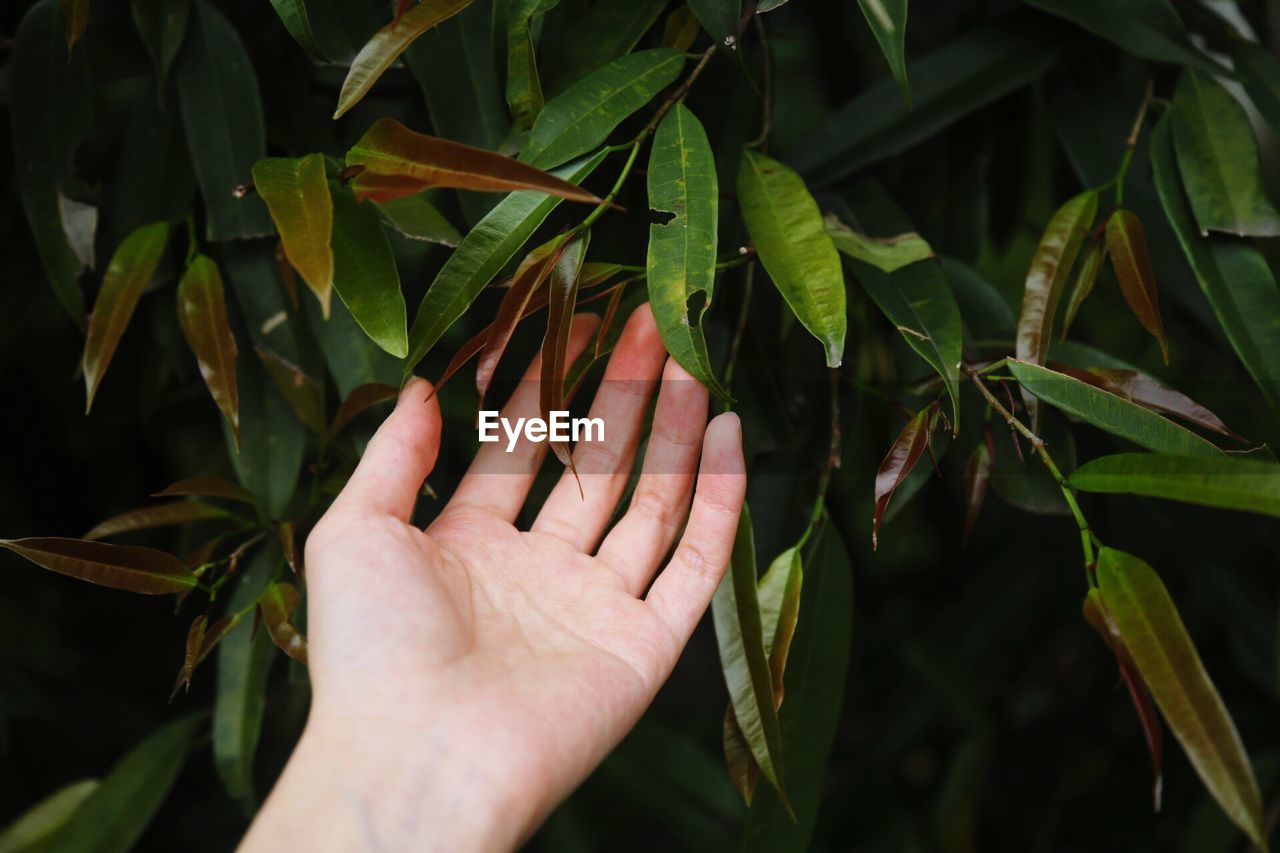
[1131, 143]
[766, 86]
[739, 330]
[832, 461]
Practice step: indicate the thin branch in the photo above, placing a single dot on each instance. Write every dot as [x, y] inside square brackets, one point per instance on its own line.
[766, 86]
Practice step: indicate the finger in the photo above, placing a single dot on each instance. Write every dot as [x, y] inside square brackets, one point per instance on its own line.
[399, 457]
[683, 590]
[497, 481]
[580, 517]
[644, 535]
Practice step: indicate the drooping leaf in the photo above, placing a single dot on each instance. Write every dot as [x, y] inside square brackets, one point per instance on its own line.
[1109, 412]
[208, 487]
[607, 30]
[365, 273]
[524, 88]
[1050, 266]
[277, 604]
[888, 22]
[902, 457]
[297, 194]
[202, 313]
[1233, 275]
[191, 655]
[786, 227]
[386, 45]
[681, 262]
[160, 515]
[1241, 484]
[1086, 276]
[162, 26]
[887, 254]
[1145, 391]
[127, 567]
[562, 299]
[977, 476]
[415, 217]
[41, 73]
[718, 17]
[114, 816]
[1147, 28]
[303, 392]
[222, 116]
[1152, 630]
[1127, 247]
[480, 256]
[34, 829]
[947, 84]
[75, 14]
[526, 284]
[583, 116]
[293, 14]
[397, 162]
[1095, 613]
[1218, 160]
[128, 274]
[359, 401]
[740, 634]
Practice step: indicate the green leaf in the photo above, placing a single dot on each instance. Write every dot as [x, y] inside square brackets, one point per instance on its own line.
[352, 358]
[35, 828]
[365, 272]
[153, 179]
[583, 116]
[946, 85]
[1150, 626]
[160, 515]
[1086, 276]
[386, 45]
[162, 25]
[293, 14]
[816, 668]
[222, 115]
[718, 17]
[1145, 391]
[76, 15]
[1218, 160]
[888, 22]
[1050, 267]
[244, 662]
[681, 260]
[481, 255]
[128, 274]
[297, 194]
[1109, 412]
[1147, 28]
[887, 254]
[128, 567]
[1127, 248]
[276, 605]
[786, 227]
[1232, 274]
[1259, 70]
[44, 140]
[607, 30]
[739, 631]
[114, 816]
[1229, 483]
[416, 218]
[524, 89]
[202, 313]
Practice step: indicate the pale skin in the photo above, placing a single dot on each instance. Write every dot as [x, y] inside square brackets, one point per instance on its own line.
[468, 677]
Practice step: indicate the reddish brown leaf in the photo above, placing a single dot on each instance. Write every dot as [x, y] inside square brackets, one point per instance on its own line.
[361, 399]
[977, 474]
[525, 284]
[304, 394]
[401, 7]
[127, 567]
[1127, 245]
[195, 639]
[202, 313]
[160, 515]
[276, 604]
[1150, 393]
[208, 487]
[289, 545]
[398, 162]
[562, 295]
[903, 456]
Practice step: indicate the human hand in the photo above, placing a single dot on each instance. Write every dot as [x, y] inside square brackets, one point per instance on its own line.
[468, 677]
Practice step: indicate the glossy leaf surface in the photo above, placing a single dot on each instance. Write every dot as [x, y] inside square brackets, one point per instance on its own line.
[562, 298]
[202, 314]
[1127, 248]
[903, 455]
[1240, 484]
[888, 22]
[365, 273]
[297, 194]
[415, 217]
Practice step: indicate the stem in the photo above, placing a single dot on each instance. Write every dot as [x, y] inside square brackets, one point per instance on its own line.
[766, 86]
[1086, 538]
[1132, 142]
[607, 201]
[193, 245]
[739, 331]
[832, 461]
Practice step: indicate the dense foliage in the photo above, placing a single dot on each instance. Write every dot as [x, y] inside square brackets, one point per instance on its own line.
[1026, 245]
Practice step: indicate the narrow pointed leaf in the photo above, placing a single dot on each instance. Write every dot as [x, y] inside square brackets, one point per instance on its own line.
[562, 298]
[887, 254]
[1127, 246]
[397, 162]
[1152, 630]
[365, 273]
[359, 401]
[480, 256]
[1050, 266]
[779, 593]
[1228, 483]
[293, 14]
[1109, 412]
[208, 487]
[191, 655]
[35, 828]
[681, 263]
[127, 567]
[888, 22]
[1218, 160]
[524, 87]
[1147, 392]
[160, 515]
[527, 283]
[114, 816]
[277, 604]
[902, 457]
[75, 14]
[202, 313]
[1151, 29]
[415, 217]
[297, 194]
[744, 773]
[386, 45]
[303, 393]
[162, 26]
[128, 274]
[1086, 276]
[787, 229]
[977, 476]
[582, 117]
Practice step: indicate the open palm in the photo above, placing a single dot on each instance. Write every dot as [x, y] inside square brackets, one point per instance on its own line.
[522, 656]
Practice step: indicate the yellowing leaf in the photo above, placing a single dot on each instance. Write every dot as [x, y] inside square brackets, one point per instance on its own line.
[1127, 246]
[127, 567]
[202, 313]
[297, 194]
